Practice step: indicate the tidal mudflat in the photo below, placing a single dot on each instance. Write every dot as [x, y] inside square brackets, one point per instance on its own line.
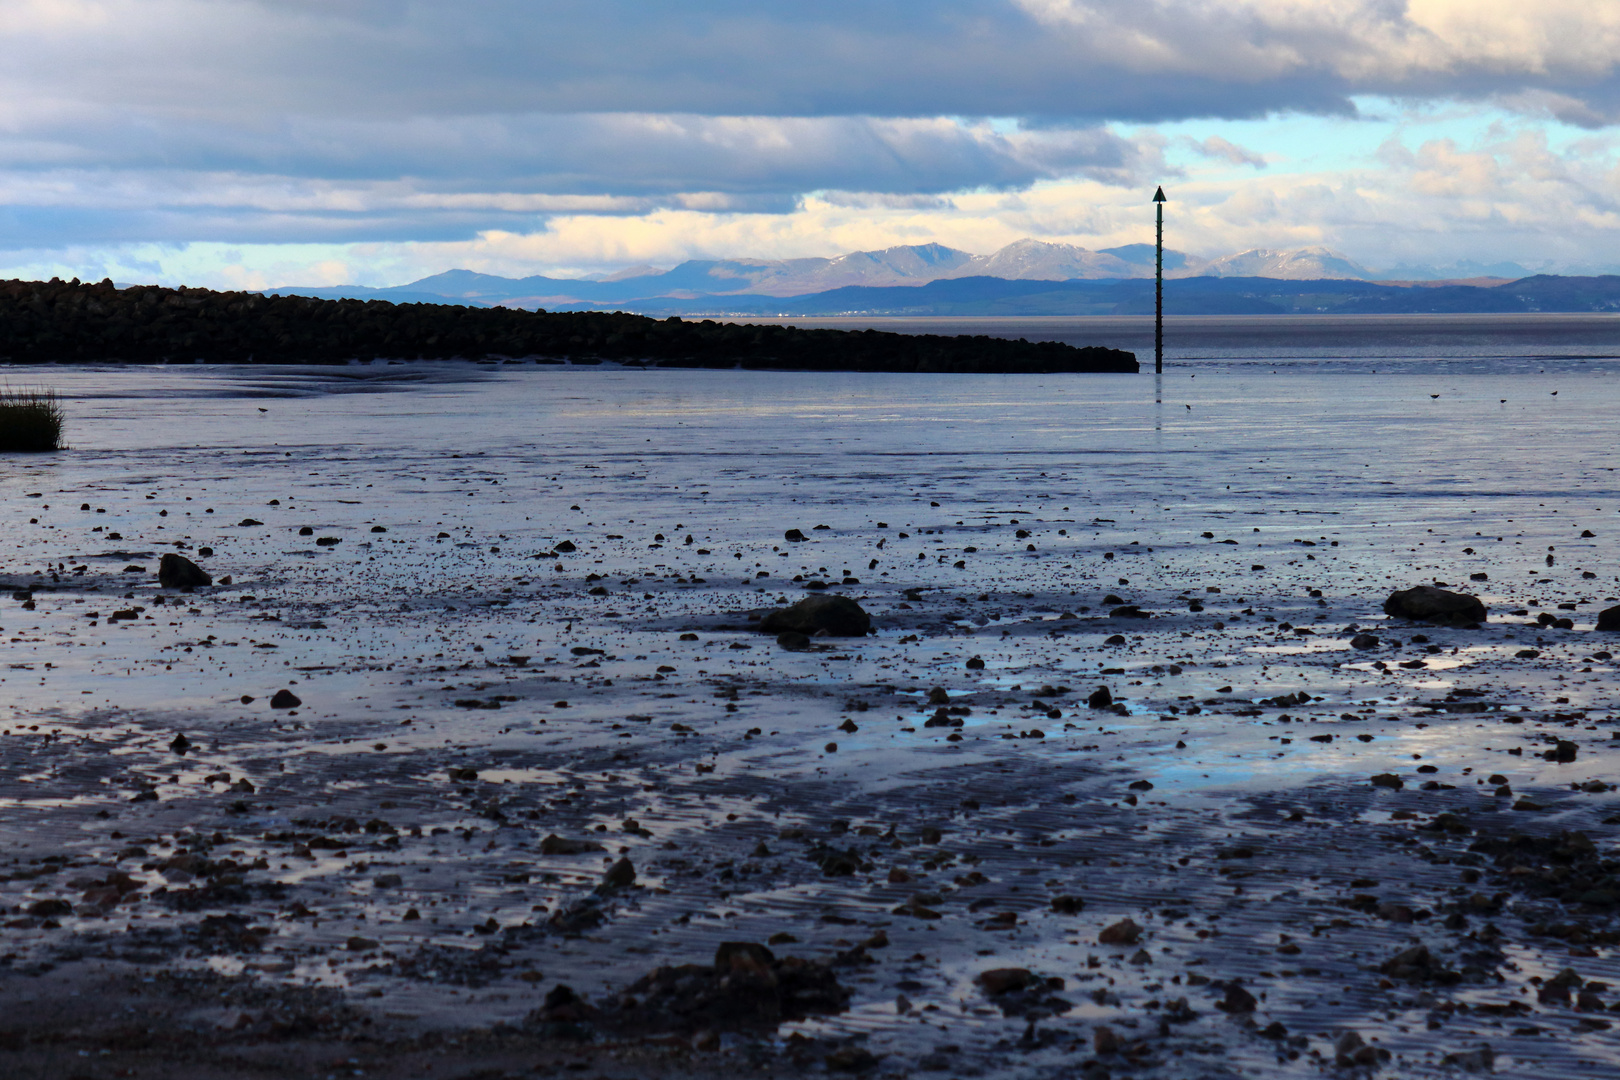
[540, 741]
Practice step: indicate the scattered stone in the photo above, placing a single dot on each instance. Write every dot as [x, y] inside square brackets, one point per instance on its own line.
[1237, 1001]
[1068, 905]
[1124, 932]
[793, 641]
[746, 988]
[1100, 698]
[558, 845]
[1387, 780]
[851, 1059]
[577, 917]
[1020, 992]
[179, 572]
[1418, 965]
[1608, 619]
[1364, 641]
[1555, 991]
[621, 875]
[563, 1014]
[1351, 1050]
[836, 616]
[1425, 603]
[1005, 980]
[1482, 1059]
[285, 699]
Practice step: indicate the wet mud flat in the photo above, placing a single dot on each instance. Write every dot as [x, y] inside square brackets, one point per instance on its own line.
[550, 801]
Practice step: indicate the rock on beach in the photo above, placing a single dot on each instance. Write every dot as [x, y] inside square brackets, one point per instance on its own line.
[1425, 603]
[179, 572]
[838, 616]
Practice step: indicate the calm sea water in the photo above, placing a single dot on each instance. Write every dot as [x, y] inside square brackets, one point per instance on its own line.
[1484, 343]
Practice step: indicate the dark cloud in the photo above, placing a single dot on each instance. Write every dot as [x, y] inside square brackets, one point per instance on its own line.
[223, 119]
[343, 178]
[1098, 60]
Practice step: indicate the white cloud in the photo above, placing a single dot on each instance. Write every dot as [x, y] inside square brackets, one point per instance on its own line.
[1359, 41]
[1507, 195]
[1216, 147]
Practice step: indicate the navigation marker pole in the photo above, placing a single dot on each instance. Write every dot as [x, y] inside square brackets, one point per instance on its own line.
[1158, 288]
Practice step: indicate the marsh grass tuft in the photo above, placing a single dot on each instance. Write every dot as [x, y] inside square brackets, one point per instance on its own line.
[30, 420]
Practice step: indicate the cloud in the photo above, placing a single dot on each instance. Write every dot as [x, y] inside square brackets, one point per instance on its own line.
[1507, 196]
[1430, 46]
[1098, 59]
[1217, 147]
[336, 179]
[287, 122]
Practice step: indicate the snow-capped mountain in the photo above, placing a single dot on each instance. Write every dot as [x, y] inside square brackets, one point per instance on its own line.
[1304, 264]
[1036, 260]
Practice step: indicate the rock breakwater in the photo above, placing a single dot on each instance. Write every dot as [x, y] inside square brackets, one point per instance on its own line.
[67, 322]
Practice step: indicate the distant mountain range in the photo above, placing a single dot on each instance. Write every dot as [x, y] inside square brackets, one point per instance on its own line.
[1029, 277]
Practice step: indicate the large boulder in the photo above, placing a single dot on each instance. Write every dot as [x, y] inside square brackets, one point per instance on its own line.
[1609, 619]
[1425, 603]
[746, 989]
[179, 572]
[839, 616]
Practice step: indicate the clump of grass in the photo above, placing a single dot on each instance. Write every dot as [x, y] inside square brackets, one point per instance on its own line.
[30, 420]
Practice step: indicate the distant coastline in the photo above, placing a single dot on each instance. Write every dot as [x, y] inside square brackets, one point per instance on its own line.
[1011, 297]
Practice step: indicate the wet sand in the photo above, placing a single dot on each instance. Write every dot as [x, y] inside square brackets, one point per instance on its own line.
[369, 881]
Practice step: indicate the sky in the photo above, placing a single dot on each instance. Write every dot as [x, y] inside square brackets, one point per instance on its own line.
[253, 143]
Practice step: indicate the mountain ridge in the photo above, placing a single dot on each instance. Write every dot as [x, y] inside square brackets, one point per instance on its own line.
[909, 278]
[902, 265]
